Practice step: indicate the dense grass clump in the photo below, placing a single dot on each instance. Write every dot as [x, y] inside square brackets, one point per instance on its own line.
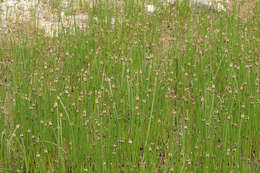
[174, 90]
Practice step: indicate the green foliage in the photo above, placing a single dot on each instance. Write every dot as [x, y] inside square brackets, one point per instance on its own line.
[176, 90]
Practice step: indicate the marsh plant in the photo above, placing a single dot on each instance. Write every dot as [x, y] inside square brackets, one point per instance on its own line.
[175, 89]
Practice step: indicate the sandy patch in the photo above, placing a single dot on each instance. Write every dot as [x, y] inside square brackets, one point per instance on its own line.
[42, 13]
